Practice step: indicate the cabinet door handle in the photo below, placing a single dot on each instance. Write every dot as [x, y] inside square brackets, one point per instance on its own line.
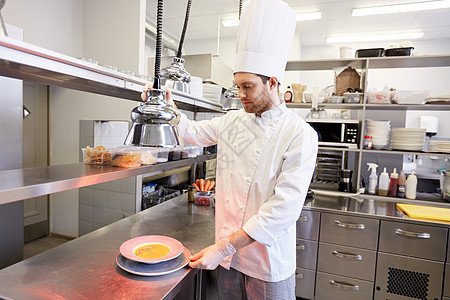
[349, 225]
[343, 285]
[299, 276]
[300, 247]
[303, 218]
[423, 235]
[347, 255]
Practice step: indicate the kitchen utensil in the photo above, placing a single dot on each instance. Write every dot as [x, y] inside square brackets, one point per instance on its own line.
[345, 182]
[155, 123]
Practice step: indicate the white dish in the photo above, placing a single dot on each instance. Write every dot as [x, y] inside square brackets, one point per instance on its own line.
[158, 269]
[128, 248]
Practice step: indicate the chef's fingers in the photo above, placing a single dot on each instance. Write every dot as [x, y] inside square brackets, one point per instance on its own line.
[149, 86]
[196, 256]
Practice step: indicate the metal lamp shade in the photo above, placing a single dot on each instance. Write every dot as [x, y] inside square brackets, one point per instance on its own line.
[232, 101]
[175, 76]
[155, 124]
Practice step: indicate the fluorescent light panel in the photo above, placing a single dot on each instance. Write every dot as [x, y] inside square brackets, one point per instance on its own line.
[374, 37]
[399, 8]
[316, 15]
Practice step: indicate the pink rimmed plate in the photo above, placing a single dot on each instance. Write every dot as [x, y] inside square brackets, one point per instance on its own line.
[158, 269]
[128, 248]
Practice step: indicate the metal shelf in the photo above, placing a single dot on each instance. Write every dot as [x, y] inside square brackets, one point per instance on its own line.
[326, 105]
[22, 184]
[407, 106]
[28, 62]
[402, 152]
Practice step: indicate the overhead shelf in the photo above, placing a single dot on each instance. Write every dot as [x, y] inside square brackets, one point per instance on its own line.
[22, 184]
[31, 63]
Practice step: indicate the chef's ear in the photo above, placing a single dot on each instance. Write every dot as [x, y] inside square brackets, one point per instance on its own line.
[273, 82]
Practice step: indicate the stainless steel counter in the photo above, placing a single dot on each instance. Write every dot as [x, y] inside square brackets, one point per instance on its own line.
[368, 206]
[85, 268]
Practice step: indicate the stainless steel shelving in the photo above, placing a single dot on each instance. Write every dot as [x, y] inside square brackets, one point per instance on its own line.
[22, 184]
[28, 62]
[387, 151]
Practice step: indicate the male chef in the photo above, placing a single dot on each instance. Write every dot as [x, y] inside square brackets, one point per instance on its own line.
[265, 159]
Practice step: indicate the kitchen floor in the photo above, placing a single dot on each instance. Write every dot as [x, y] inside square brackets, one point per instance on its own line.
[42, 244]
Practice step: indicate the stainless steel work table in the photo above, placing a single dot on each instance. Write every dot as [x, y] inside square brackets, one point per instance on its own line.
[85, 268]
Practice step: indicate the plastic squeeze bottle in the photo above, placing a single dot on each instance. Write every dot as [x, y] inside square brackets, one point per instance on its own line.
[373, 178]
[401, 190]
[383, 186]
[288, 96]
[393, 184]
[411, 186]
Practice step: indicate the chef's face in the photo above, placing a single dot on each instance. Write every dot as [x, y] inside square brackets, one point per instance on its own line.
[255, 95]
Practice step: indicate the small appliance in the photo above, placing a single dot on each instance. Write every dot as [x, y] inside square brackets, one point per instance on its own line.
[337, 132]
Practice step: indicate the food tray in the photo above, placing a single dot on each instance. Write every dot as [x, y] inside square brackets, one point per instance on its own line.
[353, 97]
[96, 157]
[407, 51]
[125, 158]
[373, 52]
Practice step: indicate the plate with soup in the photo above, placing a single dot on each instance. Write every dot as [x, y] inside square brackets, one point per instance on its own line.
[151, 249]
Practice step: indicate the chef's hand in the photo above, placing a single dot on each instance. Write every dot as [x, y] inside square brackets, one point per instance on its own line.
[149, 86]
[210, 257]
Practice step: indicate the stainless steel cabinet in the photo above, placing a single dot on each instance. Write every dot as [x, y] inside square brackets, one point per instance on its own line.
[447, 279]
[349, 231]
[413, 240]
[304, 283]
[306, 254]
[330, 286]
[308, 225]
[401, 277]
[347, 261]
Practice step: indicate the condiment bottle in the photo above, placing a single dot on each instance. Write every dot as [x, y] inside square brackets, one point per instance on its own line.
[288, 95]
[373, 178]
[191, 192]
[393, 184]
[384, 183]
[401, 190]
[368, 142]
[411, 186]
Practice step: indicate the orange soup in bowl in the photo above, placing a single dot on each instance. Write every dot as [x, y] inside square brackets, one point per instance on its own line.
[152, 251]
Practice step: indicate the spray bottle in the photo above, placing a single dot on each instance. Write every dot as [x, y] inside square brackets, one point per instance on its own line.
[383, 186]
[373, 178]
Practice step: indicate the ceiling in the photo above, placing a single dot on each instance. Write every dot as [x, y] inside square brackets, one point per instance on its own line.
[204, 21]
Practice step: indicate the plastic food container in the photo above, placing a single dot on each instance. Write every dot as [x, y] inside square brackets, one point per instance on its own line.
[196, 151]
[353, 97]
[335, 99]
[163, 155]
[125, 158]
[407, 51]
[378, 97]
[175, 153]
[149, 155]
[373, 52]
[96, 157]
[204, 198]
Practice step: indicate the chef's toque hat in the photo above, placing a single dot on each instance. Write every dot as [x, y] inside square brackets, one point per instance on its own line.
[264, 39]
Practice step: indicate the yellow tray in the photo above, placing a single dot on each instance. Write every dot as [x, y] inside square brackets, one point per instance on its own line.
[425, 212]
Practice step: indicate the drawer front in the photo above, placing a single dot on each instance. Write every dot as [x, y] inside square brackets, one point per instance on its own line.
[306, 254]
[413, 240]
[347, 261]
[349, 231]
[447, 280]
[304, 283]
[340, 287]
[401, 277]
[308, 225]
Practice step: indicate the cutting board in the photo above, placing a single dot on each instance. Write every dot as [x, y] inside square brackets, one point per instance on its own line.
[427, 213]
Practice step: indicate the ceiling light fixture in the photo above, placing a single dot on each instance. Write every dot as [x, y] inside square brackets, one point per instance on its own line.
[315, 15]
[399, 8]
[368, 37]
[308, 16]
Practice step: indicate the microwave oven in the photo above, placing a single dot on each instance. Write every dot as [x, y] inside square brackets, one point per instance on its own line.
[336, 132]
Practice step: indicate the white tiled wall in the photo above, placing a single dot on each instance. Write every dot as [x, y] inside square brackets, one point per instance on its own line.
[108, 202]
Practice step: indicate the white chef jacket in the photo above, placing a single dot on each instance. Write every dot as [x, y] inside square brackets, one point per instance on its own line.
[264, 168]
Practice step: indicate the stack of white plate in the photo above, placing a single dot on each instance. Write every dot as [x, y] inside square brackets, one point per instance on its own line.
[212, 91]
[196, 86]
[379, 130]
[439, 146]
[412, 139]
